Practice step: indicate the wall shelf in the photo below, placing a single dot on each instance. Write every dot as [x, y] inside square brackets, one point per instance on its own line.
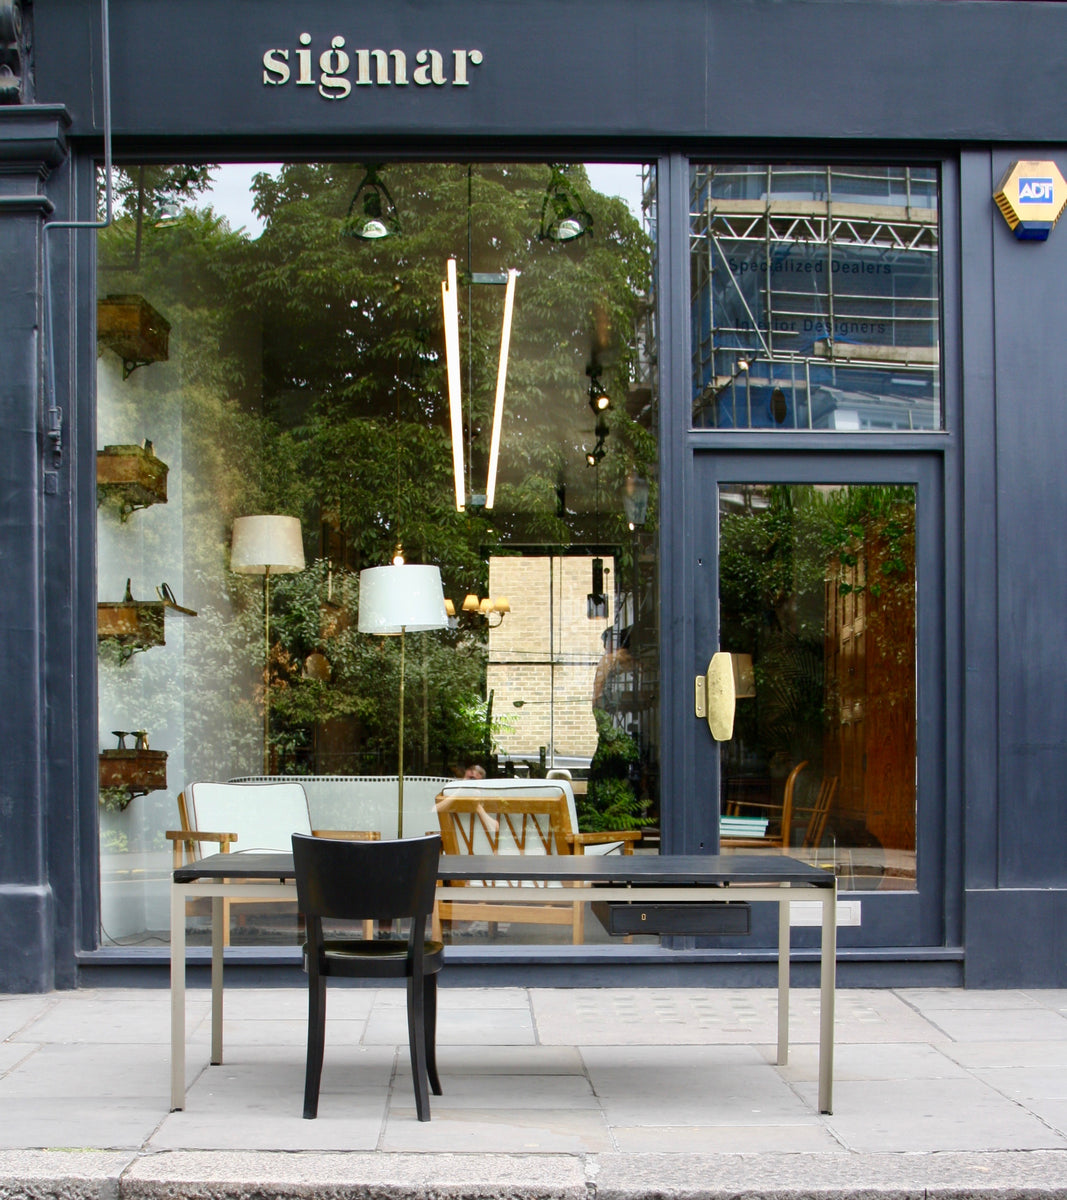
[133, 624]
[125, 774]
[131, 327]
[130, 476]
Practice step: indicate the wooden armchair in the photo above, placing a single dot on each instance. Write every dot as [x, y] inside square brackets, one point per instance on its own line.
[504, 816]
[781, 839]
[236, 817]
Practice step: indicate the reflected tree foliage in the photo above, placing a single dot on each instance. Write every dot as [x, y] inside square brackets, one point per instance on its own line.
[306, 376]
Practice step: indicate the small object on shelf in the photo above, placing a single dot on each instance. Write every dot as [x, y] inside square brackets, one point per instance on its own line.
[132, 476]
[131, 327]
[167, 596]
[135, 624]
[125, 774]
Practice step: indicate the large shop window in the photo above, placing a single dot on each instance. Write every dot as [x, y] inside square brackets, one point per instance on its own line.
[815, 297]
[449, 363]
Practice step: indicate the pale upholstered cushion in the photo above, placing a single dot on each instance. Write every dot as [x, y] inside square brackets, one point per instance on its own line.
[263, 815]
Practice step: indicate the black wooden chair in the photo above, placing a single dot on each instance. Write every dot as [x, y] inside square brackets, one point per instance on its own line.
[344, 881]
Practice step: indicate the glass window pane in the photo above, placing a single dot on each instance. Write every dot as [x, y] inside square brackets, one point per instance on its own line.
[817, 585]
[815, 297]
[265, 352]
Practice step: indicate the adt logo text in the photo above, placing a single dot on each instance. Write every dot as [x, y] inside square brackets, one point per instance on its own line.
[1035, 191]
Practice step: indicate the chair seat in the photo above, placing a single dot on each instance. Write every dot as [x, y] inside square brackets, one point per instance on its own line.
[386, 958]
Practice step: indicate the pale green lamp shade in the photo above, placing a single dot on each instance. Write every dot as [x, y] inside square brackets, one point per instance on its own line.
[401, 598]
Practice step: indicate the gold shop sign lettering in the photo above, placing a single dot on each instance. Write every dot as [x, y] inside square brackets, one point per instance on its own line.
[341, 68]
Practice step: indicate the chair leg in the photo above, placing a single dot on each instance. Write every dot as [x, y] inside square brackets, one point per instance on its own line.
[417, 1049]
[430, 1023]
[578, 924]
[316, 1044]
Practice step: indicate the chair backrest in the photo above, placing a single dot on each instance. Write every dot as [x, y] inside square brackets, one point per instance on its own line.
[505, 816]
[263, 815]
[366, 801]
[786, 829]
[358, 881]
[817, 820]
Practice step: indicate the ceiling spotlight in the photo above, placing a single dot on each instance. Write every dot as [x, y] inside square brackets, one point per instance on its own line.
[564, 218]
[599, 400]
[372, 213]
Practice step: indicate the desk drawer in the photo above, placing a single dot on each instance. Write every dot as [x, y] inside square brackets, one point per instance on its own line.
[698, 919]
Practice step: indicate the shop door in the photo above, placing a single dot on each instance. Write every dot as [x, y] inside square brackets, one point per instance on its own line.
[826, 586]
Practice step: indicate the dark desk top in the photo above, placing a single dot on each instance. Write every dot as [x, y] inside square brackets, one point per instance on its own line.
[618, 870]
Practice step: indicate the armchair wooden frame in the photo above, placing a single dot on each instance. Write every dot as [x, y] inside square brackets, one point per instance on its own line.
[187, 848]
[483, 821]
[817, 817]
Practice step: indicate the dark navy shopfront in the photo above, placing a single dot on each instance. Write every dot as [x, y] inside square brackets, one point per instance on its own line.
[830, 444]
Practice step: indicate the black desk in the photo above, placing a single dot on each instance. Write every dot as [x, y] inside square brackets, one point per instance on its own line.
[611, 878]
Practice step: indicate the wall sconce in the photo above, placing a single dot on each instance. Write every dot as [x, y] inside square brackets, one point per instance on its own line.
[372, 214]
[564, 218]
[475, 607]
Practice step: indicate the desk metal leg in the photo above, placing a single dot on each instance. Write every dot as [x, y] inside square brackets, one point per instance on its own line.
[218, 913]
[177, 998]
[784, 912]
[827, 984]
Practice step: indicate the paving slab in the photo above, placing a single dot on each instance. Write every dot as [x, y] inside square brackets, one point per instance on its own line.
[634, 1094]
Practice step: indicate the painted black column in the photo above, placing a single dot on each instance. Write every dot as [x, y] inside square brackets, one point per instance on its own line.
[32, 145]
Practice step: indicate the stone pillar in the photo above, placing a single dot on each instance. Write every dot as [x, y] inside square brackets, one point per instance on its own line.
[32, 145]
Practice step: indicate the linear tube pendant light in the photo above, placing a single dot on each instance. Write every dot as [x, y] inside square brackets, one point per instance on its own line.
[450, 306]
[501, 379]
[450, 303]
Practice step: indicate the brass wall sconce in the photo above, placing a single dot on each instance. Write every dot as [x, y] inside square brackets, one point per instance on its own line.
[474, 606]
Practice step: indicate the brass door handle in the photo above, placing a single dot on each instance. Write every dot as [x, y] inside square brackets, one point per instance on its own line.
[728, 679]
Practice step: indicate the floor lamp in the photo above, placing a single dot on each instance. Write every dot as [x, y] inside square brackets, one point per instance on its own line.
[265, 546]
[398, 600]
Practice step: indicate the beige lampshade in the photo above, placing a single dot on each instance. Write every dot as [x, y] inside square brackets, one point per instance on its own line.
[470, 602]
[267, 542]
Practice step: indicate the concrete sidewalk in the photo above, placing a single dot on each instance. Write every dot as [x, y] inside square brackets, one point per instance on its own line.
[548, 1092]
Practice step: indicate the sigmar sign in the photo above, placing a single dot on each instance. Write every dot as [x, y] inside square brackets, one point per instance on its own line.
[334, 69]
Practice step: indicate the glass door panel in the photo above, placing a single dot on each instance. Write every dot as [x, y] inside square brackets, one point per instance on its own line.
[817, 589]
[825, 574]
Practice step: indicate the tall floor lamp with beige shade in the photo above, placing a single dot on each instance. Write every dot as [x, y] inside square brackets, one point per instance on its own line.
[266, 545]
[394, 600]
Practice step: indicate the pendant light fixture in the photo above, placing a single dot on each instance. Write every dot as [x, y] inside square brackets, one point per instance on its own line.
[450, 309]
[564, 218]
[372, 215]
